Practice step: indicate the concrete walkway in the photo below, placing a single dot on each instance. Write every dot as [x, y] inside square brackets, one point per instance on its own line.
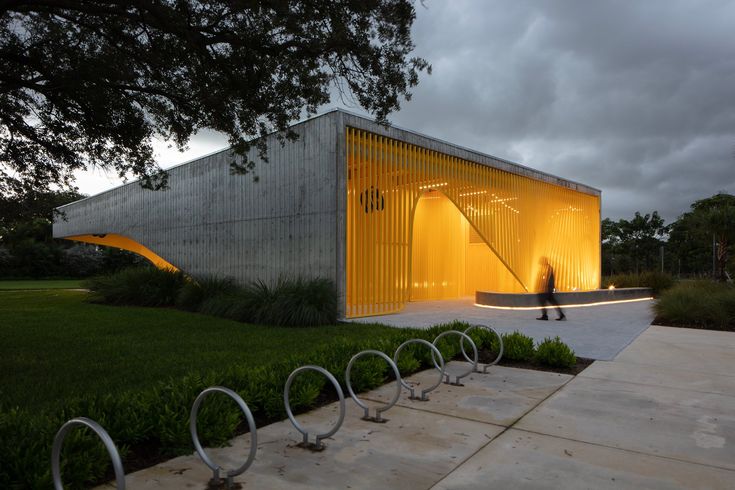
[595, 332]
[661, 416]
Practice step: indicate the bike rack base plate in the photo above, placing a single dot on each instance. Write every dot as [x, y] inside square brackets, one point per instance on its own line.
[310, 446]
[373, 419]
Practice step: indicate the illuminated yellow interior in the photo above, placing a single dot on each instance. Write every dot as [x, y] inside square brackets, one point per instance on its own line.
[125, 243]
[424, 225]
[448, 257]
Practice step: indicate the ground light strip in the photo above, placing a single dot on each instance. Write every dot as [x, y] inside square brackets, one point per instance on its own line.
[582, 305]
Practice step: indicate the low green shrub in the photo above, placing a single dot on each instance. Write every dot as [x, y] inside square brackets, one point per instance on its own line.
[140, 286]
[518, 347]
[555, 353]
[698, 304]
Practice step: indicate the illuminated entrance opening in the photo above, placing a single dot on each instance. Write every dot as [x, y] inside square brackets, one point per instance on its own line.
[449, 258]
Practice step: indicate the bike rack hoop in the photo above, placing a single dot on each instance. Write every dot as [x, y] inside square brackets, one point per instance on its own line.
[348, 382]
[106, 440]
[500, 344]
[333, 380]
[434, 351]
[195, 437]
[462, 336]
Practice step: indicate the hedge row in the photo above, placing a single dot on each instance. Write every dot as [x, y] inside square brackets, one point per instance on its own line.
[154, 422]
[156, 419]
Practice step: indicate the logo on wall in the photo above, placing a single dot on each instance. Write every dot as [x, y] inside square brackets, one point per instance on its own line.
[371, 200]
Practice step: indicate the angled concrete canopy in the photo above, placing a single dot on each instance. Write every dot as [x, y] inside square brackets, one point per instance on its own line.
[389, 215]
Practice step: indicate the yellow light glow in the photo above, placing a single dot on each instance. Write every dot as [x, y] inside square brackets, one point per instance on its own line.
[611, 286]
[433, 186]
[580, 305]
[401, 244]
[124, 243]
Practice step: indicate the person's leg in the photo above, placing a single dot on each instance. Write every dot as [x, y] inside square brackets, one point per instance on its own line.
[553, 301]
[542, 302]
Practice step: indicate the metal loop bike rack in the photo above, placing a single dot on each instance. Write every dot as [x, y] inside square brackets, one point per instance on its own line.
[197, 445]
[500, 344]
[462, 336]
[434, 351]
[106, 440]
[319, 437]
[390, 404]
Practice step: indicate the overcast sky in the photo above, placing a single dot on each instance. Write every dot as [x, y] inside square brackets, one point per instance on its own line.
[636, 98]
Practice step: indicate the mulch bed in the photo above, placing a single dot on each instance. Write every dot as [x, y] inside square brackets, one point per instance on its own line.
[581, 365]
[485, 356]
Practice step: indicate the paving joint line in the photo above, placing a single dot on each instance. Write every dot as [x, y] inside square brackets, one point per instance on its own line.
[506, 429]
[670, 368]
[666, 387]
[633, 451]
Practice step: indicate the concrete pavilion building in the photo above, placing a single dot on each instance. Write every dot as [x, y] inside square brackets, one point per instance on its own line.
[388, 214]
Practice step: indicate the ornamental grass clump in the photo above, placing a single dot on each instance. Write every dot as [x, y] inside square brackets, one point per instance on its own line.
[698, 304]
[293, 302]
[555, 353]
[199, 289]
[138, 286]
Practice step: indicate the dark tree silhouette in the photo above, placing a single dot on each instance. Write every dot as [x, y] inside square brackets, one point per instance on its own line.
[89, 83]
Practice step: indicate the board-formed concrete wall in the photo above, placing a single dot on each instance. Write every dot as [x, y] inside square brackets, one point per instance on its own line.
[212, 222]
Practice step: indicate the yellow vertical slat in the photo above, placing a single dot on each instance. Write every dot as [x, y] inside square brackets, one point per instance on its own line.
[547, 219]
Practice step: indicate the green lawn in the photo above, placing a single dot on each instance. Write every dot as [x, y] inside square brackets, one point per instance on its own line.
[53, 345]
[41, 284]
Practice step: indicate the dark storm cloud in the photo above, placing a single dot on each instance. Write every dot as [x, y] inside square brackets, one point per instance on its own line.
[634, 98]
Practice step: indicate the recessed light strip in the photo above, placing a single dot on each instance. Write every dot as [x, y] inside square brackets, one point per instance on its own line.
[582, 305]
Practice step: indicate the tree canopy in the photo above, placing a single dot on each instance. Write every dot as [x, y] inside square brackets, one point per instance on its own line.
[635, 243]
[709, 220]
[28, 249]
[698, 243]
[89, 82]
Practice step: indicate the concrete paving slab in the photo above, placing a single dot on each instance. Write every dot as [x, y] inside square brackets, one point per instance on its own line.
[524, 460]
[595, 332]
[415, 449]
[672, 377]
[695, 350]
[691, 336]
[500, 397]
[686, 425]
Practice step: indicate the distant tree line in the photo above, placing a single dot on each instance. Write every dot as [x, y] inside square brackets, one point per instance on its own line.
[698, 243]
[28, 249]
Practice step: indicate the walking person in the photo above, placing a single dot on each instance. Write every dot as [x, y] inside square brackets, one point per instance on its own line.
[545, 288]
